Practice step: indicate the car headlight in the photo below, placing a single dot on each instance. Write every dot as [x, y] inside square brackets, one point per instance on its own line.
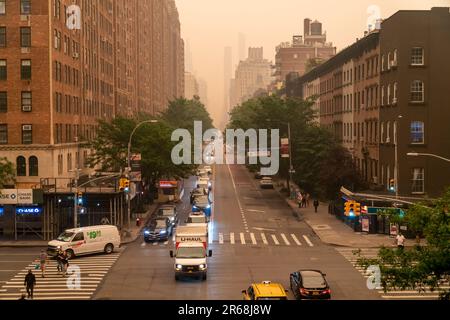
[178, 267]
[163, 231]
[146, 232]
[202, 266]
[172, 218]
[194, 207]
[58, 247]
[208, 206]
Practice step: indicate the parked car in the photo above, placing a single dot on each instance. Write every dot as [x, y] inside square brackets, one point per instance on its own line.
[266, 183]
[310, 284]
[158, 229]
[169, 211]
[204, 182]
[197, 193]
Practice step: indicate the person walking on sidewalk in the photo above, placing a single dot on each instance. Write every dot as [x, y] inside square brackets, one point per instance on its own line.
[316, 205]
[43, 260]
[307, 199]
[299, 199]
[30, 282]
[400, 241]
[304, 200]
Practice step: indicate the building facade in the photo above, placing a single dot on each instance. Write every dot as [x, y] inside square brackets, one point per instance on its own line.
[56, 82]
[191, 86]
[251, 75]
[293, 57]
[385, 96]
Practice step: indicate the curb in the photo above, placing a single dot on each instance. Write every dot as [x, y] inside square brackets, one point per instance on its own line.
[133, 239]
[27, 245]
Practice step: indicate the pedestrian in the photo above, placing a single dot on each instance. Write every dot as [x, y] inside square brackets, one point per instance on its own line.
[59, 264]
[316, 205]
[307, 199]
[23, 296]
[304, 200]
[43, 260]
[30, 282]
[400, 241]
[299, 199]
[65, 263]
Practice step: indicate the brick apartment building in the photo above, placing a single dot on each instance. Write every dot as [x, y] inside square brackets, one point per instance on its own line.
[292, 57]
[386, 96]
[55, 83]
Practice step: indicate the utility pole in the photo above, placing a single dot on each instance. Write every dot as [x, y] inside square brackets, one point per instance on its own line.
[291, 168]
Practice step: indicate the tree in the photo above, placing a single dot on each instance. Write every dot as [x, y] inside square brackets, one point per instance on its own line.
[312, 63]
[7, 172]
[420, 267]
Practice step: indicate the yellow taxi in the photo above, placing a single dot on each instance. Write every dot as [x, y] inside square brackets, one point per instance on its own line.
[265, 290]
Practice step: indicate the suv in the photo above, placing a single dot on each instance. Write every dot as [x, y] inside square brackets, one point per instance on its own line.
[169, 211]
[265, 291]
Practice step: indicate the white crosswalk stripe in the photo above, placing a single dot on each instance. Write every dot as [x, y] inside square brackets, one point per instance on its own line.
[264, 239]
[308, 241]
[275, 240]
[252, 235]
[56, 287]
[242, 238]
[285, 239]
[296, 240]
[348, 254]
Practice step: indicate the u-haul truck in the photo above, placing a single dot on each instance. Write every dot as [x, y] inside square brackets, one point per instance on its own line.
[191, 251]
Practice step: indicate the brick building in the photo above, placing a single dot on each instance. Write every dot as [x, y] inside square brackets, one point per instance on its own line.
[57, 82]
[385, 96]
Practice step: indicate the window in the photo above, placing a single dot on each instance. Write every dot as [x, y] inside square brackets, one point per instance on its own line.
[3, 70]
[394, 100]
[388, 132]
[389, 94]
[395, 57]
[2, 6]
[3, 133]
[21, 166]
[26, 101]
[33, 166]
[3, 102]
[25, 69]
[27, 134]
[56, 8]
[25, 7]
[382, 132]
[417, 56]
[382, 95]
[417, 91]
[78, 237]
[389, 61]
[25, 37]
[395, 132]
[418, 180]
[3, 37]
[60, 164]
[417, 132]
[69, 162]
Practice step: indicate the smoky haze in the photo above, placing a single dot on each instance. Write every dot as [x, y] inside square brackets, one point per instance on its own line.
[211, 25]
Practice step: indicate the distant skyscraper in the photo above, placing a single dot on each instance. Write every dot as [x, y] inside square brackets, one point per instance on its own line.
[189, 63]
[242, 45]
[203, 91]
[191, 86]
[227, 75]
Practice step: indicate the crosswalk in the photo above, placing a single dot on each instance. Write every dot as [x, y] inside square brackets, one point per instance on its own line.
[251, 239]
[84, 276]
[348, 254]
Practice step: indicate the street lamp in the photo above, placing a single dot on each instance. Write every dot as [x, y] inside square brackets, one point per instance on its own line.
[416, 154]
[129, 163]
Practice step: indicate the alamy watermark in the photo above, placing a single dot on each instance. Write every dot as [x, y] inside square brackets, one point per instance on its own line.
[73, 17]
[235, 139]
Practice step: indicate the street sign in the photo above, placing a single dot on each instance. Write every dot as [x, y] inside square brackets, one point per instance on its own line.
[16, 196]
[135, 173]
[284, 148]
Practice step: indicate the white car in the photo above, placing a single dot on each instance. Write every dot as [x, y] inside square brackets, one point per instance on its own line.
[204, 183]
[86, 240]
[266, 183]
[208, 169]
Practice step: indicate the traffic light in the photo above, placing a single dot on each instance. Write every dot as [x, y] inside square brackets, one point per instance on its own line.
[122, 184]
[357, 209]
[350, 208]
[127, 185]
[392, 185]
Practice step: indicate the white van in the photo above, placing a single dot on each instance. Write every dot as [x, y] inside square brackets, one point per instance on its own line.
[86, 240]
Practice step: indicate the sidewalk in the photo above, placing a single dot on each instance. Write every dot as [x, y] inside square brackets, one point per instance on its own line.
[130, 237]
[332, 231]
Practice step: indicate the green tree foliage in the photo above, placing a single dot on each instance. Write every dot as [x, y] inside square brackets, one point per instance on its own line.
[181, 113]
[7, 172]
[312, 63]
[322, 165]
[420, 267]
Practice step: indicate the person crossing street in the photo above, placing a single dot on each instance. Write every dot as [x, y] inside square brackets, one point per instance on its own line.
[30, 282]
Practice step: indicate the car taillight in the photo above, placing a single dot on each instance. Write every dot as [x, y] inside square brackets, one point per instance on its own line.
[328, 291]
[303, 291]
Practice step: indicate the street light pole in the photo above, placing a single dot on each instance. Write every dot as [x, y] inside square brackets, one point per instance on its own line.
[128, 170]
[416, 154]
[291, 168]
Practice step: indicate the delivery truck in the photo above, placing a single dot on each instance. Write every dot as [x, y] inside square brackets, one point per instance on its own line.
[191, 252]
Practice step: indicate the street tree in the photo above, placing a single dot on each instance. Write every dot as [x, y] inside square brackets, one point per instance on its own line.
[420, 267]
[7, 172]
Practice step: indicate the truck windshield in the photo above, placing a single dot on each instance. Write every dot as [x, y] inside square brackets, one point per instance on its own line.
[197, 220]
[191, 253]
[65, 236]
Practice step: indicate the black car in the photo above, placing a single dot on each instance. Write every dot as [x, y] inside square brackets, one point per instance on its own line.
[310, 284]
[158, 229]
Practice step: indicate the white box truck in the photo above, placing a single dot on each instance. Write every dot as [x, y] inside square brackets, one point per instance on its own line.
[191, 251]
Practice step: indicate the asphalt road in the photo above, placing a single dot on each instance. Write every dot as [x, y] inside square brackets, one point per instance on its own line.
[255, 237]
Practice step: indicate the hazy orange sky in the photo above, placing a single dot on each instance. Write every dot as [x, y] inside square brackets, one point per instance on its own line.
[211, 25]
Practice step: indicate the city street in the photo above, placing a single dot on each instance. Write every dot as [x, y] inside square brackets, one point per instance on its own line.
[255, 238]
